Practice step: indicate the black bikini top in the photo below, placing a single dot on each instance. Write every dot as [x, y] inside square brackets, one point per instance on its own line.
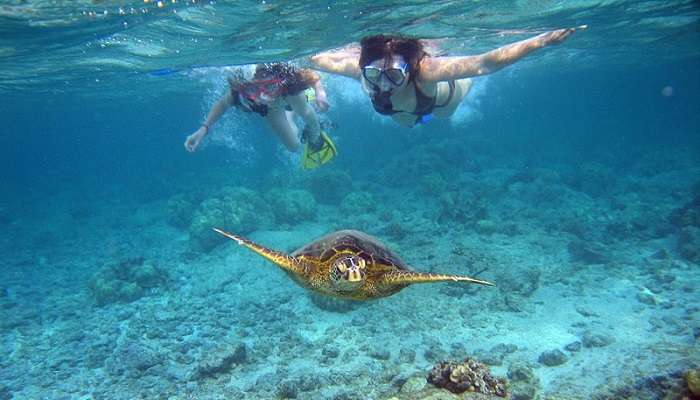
[424, 104]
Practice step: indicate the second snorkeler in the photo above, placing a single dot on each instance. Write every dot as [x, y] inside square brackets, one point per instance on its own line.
[277, 92]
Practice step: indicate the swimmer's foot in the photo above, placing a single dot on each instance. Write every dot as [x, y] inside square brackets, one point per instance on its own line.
[317, 144]
[319, 152]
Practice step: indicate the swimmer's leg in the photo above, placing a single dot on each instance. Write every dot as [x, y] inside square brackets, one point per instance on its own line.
[303, 109]
[282, 124]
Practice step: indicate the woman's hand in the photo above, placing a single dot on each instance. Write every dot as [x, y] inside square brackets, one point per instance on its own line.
[192, 141]
[558, 36]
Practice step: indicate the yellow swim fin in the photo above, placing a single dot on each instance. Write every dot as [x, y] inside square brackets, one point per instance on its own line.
[314, 158]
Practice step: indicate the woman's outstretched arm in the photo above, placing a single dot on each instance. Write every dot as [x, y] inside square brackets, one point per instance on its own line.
[345, 61]
[193, 140]
[436, 69]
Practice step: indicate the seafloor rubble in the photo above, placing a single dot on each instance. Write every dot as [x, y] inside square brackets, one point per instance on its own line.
[119, 300]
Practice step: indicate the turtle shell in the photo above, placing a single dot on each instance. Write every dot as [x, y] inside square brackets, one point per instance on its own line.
[355, 242]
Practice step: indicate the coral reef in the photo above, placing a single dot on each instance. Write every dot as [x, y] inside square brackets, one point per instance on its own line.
[434, 351]
[396, 230]
[126, 281]
[592, 178]
[587, 252]
[496, 354]
[211, 213]
[687, 215]
[689, 244]
[329, 186]
[333, 304]
[594, 339]
[236, 209]
[516, 287]
[523, 384]
[221, 361]
[523, 283]
[180, 209]
[461, 207]
[358, 203]
[573, 347]
[413, 384]
[407, 355]
[238, 332]
[687, 219]
[436, 155]
[692, 380]
[552, 358]
[133, 359]
[668, 386]
[432, 184]
[5, 393]
[469, 375]
[291, 206]
[485, 227]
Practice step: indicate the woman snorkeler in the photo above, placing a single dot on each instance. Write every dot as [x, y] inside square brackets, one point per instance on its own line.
[406, 83]
[276, 92]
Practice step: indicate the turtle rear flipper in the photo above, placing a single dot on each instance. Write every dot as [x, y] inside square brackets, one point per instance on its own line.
[411, 277]
[283, 260]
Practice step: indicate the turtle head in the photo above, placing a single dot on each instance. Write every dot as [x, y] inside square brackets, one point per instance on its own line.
[348, 272]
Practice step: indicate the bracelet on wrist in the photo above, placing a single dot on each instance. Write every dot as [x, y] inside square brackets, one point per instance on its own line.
[206, 127]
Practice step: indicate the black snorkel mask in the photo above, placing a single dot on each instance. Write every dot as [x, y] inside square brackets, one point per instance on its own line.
[396, 76]
[374, 76]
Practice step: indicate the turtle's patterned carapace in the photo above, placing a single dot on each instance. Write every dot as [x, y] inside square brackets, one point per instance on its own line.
[348, 264]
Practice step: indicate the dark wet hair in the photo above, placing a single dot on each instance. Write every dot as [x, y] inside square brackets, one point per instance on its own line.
[295, 80]
[274, 70]
[386, 46]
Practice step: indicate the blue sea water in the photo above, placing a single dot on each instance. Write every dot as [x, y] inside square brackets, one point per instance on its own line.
[570, 179]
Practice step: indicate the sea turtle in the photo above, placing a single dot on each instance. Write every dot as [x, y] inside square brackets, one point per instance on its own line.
[348, 264]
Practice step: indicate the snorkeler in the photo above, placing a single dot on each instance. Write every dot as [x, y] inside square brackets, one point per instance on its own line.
[406, 83]
[277, 92]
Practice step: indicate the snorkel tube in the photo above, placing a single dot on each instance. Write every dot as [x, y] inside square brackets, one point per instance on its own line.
[381, 99]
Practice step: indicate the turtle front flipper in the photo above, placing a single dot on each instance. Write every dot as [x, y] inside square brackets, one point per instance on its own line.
[285, 261]
[402, 278]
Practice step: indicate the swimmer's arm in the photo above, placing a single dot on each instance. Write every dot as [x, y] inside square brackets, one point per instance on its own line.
[320, 94]
[192, 142]
[218, 110]
[344, 62]
[302, 108]
[438, 69]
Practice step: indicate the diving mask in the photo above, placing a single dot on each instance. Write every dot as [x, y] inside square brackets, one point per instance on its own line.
[395, 76]
[261, 91]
